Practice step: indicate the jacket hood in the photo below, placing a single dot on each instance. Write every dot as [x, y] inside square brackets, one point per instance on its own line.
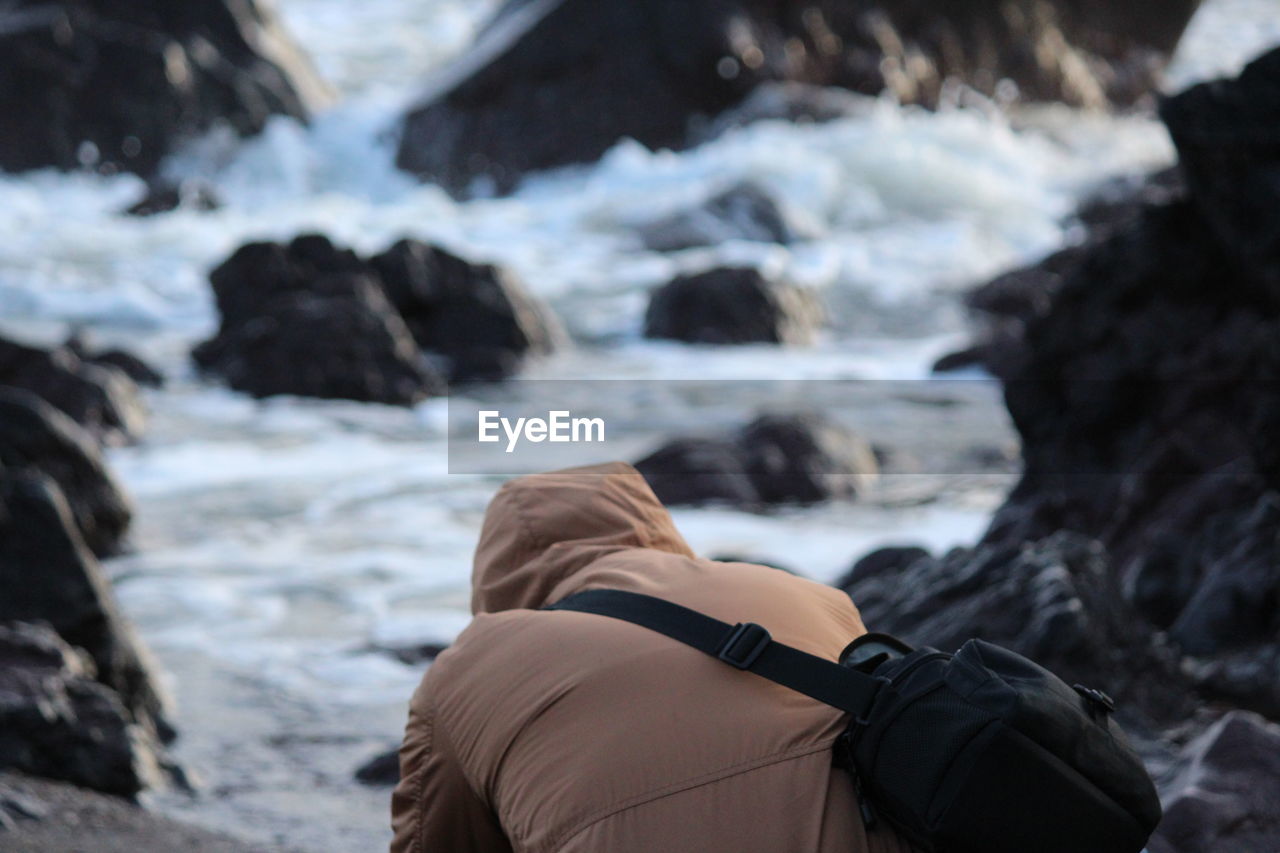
[542, 529]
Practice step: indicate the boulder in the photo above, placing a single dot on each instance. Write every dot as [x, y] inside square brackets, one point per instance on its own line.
[805, 459]
[48, 574]
[774, 460]
[119, 85]
[1144, 387]
[1003, 306]
[58, 722]
[1056, 601]
[480, 317]
[342, 340]
[556, 82]
[125, 362]
[742, 212]
[35, 436]
[1223, 797]
[1227, 133]
[732, 305]
[382, 769]
[53, 816]
[698, 471]
[314, 319]
[891, 559]
[99, 397]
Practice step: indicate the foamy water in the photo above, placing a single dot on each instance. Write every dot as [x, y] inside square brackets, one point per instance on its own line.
[278, 541]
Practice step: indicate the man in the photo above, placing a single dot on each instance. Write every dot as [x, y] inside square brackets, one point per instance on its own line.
[561, 732]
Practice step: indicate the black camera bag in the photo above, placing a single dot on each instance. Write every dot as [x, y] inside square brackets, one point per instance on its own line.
[982, 751]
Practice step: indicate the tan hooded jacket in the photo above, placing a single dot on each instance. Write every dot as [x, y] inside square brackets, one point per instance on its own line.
[562, 732]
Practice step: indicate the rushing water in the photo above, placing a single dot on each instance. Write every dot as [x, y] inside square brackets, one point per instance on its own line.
[277, 541]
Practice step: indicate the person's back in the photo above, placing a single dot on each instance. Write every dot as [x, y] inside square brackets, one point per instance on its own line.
[549, 731]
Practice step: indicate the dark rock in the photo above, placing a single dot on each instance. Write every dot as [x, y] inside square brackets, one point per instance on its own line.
[314, 319]
[58, 722]
[1228, 137]
[973, 356]
[382, 769]
[48, 574]
[559, 82]
[119, 85]
[100, 398]
[342, 340]
[412, 654]
[85, 821]
[36, 436]
[1056, 601]
[732, 306]
[699, 471]
[1004, 305]
[478, 316]
[1119, 203]
[166, 197]
[881, 561]
[1223, 797]
[125, 362]
[742, 212]
[1145, 393]
[257, 273]
[775, 459]
[805, 459]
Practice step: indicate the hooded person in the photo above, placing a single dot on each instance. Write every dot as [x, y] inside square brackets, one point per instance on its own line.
[562, 732]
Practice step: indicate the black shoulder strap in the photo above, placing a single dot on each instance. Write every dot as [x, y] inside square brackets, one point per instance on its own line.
[745, 645]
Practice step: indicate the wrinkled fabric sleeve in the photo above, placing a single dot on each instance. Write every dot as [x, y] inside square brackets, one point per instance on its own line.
[434, 808]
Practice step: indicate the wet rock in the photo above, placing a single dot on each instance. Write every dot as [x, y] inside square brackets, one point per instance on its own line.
[117, 86]
[732, 305]
[774, 460]
[315, 319]
[542, 86]
[125, 362]
[48, 574]
[742, 212]
[699, 471]
[411, 654]
[1228, 137]
[340, 340]
[76, 819]
[382, 769]
[1223, 797]
[258, 273]
[891, 559]
[805, 459]
[165, 197]
[478, 316]
[1056, 601]
[58, 722]
[1144, 389]
[99, 397]
[35, 436]
[1003, 306]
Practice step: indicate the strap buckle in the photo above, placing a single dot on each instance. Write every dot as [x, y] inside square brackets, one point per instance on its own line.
[744, 644]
